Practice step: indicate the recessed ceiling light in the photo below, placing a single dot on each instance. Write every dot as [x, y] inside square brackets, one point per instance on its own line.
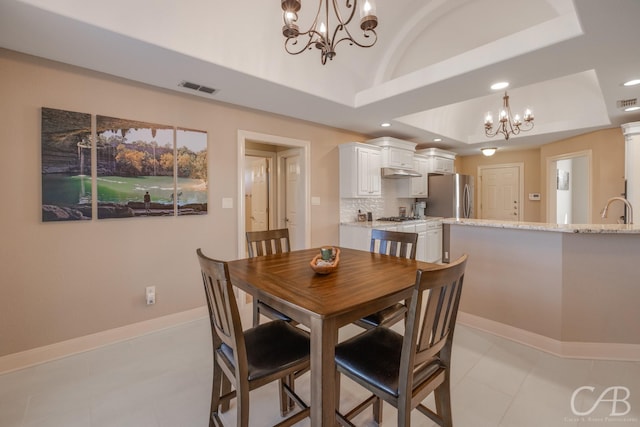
[499, 85]
[385, 125]
[632, 82]
[636, 108]
[437, 139]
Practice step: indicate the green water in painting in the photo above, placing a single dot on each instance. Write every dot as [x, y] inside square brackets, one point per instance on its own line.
[65, 190]
[70, 190]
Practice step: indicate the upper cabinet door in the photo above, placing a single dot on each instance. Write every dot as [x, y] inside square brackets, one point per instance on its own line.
[399, 158]
[369, 184]
[360, 171]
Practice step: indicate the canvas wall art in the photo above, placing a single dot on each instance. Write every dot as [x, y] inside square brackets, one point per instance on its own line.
[66, 165]
[192, 183]
[135, 168]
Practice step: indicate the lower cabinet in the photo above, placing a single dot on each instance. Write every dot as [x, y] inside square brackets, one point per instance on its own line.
[429, 247]
[434, 245]
[357, 237]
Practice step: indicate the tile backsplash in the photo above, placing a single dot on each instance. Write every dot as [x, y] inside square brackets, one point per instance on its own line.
[387, 205]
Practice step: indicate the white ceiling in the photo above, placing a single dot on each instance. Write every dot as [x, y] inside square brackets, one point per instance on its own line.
[428, 74]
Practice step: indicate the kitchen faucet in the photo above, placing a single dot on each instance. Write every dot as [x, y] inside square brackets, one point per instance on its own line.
[629, 219]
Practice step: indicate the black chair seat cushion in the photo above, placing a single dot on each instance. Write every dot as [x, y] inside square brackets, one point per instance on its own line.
[272, 347]
[383, 316]
[374, 356]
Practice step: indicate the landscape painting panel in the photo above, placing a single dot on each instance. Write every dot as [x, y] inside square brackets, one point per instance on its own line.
[192, 183]
[135, 168]
[66, 165]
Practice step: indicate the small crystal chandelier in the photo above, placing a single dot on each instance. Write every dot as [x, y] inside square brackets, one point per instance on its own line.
[507, 125]
[320, 34]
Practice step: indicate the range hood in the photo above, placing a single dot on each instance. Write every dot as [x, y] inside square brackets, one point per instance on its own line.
[389, 172]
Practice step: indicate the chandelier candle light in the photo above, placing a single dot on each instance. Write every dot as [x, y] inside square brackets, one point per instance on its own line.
[320, 34]
[509, 124]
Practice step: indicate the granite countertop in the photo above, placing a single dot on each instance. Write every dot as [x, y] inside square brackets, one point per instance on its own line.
[376, 223]
[542, 226]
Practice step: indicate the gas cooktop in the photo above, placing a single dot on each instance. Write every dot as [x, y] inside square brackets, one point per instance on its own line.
[396, 218]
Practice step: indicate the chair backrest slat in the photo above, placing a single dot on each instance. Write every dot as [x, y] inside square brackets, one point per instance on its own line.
[223, 309]
[268, 242]
[429, 329]
[396, 243]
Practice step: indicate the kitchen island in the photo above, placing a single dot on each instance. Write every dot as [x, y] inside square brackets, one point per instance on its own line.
[572, 290]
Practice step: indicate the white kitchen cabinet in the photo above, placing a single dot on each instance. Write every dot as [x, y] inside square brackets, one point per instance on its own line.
[440, 165]
[439, 161]
[421, 246]
[396, 153]
[416, 187]
[360, 170]
[434, 244]
[429, 247]
[397, 157]
[357, 237]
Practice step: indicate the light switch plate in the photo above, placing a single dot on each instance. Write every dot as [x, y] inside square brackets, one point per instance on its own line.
[315, 201]
[227, 203]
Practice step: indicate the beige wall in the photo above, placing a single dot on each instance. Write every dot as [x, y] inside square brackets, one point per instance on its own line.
[531, 160]
[607, 149]
[64, 280]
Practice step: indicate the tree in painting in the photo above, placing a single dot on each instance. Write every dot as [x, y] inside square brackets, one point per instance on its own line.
[191, 172]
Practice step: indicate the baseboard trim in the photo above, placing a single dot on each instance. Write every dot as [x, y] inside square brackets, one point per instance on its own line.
[567, 349]
[36, 356]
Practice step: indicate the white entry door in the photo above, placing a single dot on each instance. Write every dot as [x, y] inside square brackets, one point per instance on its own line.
[293, 197]
[259, 194]
[500, 189]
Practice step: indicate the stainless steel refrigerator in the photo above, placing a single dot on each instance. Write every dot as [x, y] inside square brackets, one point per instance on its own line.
[450, 196]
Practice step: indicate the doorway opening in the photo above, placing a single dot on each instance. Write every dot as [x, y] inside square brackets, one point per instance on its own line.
[274, 187]
[569, 188]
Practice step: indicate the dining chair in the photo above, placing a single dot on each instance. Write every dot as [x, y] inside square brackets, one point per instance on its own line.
[260, 243]
[396, 243]
[249, 359]
[404, 369]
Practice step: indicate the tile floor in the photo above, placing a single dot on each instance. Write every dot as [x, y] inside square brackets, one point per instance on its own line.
[163, 380]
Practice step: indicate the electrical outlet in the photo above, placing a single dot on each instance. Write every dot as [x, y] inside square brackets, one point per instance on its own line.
[151, 295]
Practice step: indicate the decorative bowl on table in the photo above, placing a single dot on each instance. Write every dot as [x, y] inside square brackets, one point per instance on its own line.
[326, 266]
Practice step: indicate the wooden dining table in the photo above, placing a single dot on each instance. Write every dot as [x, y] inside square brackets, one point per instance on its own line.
[362, 284]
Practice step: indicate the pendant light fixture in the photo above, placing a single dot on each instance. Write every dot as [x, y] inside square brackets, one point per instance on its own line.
[329, 27]
[508, 124]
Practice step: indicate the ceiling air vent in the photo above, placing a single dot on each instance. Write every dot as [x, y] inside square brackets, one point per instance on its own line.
[623, 104]
[196, 86]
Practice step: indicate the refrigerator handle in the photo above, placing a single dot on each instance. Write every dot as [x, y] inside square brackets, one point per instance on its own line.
[467, 201]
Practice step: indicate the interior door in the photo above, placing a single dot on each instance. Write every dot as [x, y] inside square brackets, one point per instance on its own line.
[294, 197]
[259, 179]
[501, 193]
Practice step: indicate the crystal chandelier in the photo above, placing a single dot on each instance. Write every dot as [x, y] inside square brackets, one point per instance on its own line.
[320, 34]
[508, 124]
